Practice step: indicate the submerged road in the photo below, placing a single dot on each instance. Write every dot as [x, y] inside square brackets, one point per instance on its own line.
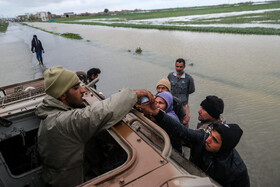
[76, 55]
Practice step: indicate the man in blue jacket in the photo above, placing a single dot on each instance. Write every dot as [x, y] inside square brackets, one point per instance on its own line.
[213, 153]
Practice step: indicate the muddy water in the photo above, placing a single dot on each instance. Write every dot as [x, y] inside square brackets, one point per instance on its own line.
[243, 70]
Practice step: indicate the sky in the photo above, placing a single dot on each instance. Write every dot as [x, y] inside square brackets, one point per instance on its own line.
[13, 8]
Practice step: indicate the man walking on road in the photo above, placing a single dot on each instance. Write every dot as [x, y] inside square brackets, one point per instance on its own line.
[36, 46]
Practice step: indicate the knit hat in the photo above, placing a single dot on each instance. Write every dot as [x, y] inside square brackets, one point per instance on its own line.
[165, 82]
[58, 80]
[230, 134]
[213, 105]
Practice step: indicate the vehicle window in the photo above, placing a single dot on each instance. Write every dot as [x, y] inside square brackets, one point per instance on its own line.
[102, 154]
[20, 152]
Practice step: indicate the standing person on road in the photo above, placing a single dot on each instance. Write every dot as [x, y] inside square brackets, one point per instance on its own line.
[67, 124]
[36, 46]
[182, 84]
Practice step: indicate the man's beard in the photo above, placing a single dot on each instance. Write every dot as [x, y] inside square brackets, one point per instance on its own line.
[180, 72]
[72, 104]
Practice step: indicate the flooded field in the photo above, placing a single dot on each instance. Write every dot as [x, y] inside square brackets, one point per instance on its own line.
[187, 20]
[241, 69]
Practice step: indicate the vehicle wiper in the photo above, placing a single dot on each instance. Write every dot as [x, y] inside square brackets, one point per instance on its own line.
[5, 123]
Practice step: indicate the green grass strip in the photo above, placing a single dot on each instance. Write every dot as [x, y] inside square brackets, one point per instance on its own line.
[65, 35]
[72, 36]
[3, 26]
[253, 30]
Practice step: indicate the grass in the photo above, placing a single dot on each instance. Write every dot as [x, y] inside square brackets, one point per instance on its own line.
[65, 35]
[71, 36]
[3, 26]
[271, 17]
[138, 50]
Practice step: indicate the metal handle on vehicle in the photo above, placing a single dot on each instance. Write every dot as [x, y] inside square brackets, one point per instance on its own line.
[167, 145]
[93, 83]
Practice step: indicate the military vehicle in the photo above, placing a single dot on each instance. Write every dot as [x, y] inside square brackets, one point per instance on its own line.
[134, 152]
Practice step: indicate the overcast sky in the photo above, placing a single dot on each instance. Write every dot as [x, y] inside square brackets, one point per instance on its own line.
[12, 8]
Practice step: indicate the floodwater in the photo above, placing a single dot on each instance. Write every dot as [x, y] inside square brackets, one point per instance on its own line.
[243, 70]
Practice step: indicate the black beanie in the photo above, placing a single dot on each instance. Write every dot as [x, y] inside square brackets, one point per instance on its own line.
[230, 134]
[213, 105]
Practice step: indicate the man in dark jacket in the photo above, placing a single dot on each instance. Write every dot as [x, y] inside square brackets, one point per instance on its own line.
[210, 112]
[36, 46]
[213, 153]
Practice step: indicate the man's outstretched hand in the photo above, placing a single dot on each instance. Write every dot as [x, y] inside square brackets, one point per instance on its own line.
[149, 109]
[142, 93]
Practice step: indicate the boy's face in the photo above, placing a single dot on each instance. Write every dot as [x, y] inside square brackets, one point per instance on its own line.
[214, 142]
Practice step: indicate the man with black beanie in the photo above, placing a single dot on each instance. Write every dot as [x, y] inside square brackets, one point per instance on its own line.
[210, 112]
[214, 152]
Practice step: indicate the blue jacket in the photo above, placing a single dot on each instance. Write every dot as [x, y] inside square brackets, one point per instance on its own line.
[228, 168]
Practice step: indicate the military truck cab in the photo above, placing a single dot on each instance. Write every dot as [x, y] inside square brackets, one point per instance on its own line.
[134, 152]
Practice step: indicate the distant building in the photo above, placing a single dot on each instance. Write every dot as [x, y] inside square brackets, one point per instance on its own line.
[42, 15]
[23, 17]
[52, 16]
[68, 14]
